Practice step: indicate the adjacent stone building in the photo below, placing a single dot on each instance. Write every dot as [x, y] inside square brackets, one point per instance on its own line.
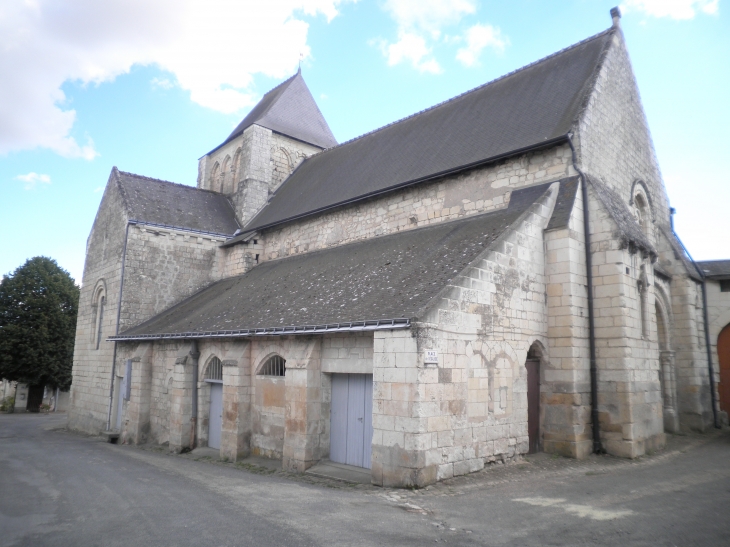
[492, 276]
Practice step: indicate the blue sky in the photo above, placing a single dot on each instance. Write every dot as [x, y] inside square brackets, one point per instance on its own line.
[151, 85]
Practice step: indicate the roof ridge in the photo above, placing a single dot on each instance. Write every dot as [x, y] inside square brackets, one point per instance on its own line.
[152, 179]
[609, 30]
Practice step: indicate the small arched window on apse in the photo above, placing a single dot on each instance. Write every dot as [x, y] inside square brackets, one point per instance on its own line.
[642, 208]
[214, 372]
[273, 366]
[226, 175]
[98, 304]
[214, 176]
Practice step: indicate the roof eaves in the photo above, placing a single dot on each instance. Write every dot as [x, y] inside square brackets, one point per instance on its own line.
[679, 254]
[350, 326]
[628, 232]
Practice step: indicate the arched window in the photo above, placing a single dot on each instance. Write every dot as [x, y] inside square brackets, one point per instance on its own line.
[214, 176]
[214, 372]
[643, 295]
[226, 175]
[273, 366]
[98, 304]
[641, 204]
[234, 171]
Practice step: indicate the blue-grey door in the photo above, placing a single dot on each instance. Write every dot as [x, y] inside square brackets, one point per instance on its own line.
[120, 402]
[215, 418]
[351, 419]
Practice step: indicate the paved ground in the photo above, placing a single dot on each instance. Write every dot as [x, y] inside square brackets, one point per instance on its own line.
[59, 488]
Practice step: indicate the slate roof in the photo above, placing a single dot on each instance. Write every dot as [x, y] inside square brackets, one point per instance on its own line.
[289, 109]
[628, 231]
[168, 204]
[391, 277]
[715, 269]
[531, 107]
[564, 203]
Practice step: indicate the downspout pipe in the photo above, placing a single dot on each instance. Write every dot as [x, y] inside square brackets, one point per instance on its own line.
[195, 356]
[116, 332]
[595, 426]
[705, 319]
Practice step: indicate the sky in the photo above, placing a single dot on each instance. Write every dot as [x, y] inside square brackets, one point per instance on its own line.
[149, 86]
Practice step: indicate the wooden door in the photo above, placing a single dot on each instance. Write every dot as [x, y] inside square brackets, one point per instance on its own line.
[723, 351]
[351, 419]
[533, 403]
[215, 417]
[120, 402]
[35, 398]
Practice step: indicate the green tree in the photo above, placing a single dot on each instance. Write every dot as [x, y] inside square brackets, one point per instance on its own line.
[38, 306]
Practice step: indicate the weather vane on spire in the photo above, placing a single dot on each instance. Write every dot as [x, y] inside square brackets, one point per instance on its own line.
[301, 56]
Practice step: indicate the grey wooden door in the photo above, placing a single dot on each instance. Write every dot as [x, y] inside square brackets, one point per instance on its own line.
[215, 418]
[351, 419]
[120, 402]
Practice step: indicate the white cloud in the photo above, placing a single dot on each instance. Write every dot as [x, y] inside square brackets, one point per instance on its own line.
[477, 38]
[429, 16]
[420, 23]
[411, 47]
[212, 48]
[32, 179]
[420, 26]
[674, 9]
[162, 83]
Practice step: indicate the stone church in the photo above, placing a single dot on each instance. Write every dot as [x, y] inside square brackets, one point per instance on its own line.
[492, 276]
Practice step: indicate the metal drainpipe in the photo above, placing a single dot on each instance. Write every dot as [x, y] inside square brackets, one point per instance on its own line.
[195, 355]
[119, 313]
[705, 320]
[597, 446]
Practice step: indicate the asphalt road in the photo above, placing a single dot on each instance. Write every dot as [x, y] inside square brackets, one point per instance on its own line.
[58, 488]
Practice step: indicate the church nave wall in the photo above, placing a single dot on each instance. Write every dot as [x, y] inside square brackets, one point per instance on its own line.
[93, 355]
[477, 191]
[435, 421]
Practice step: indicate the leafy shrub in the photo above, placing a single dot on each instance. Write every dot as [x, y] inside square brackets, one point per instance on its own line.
[7, 404]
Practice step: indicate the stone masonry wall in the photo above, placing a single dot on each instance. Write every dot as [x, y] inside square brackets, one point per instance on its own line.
[477, 191]
[434, 422]
[614, 142]
[565, 394]
[251, 167]
[719, 317]
[89, 400]
[627, 352]
[286, 155]
[164, 266]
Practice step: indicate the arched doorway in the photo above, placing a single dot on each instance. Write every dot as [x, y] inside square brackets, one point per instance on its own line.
[723, 352]
[214, 379]
[667, 380]
[532, 364]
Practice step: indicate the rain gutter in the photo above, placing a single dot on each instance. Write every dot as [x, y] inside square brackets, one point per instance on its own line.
[595, 425]
[355, 326]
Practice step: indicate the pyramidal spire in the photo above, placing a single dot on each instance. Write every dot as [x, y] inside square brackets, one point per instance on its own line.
[290, 109]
